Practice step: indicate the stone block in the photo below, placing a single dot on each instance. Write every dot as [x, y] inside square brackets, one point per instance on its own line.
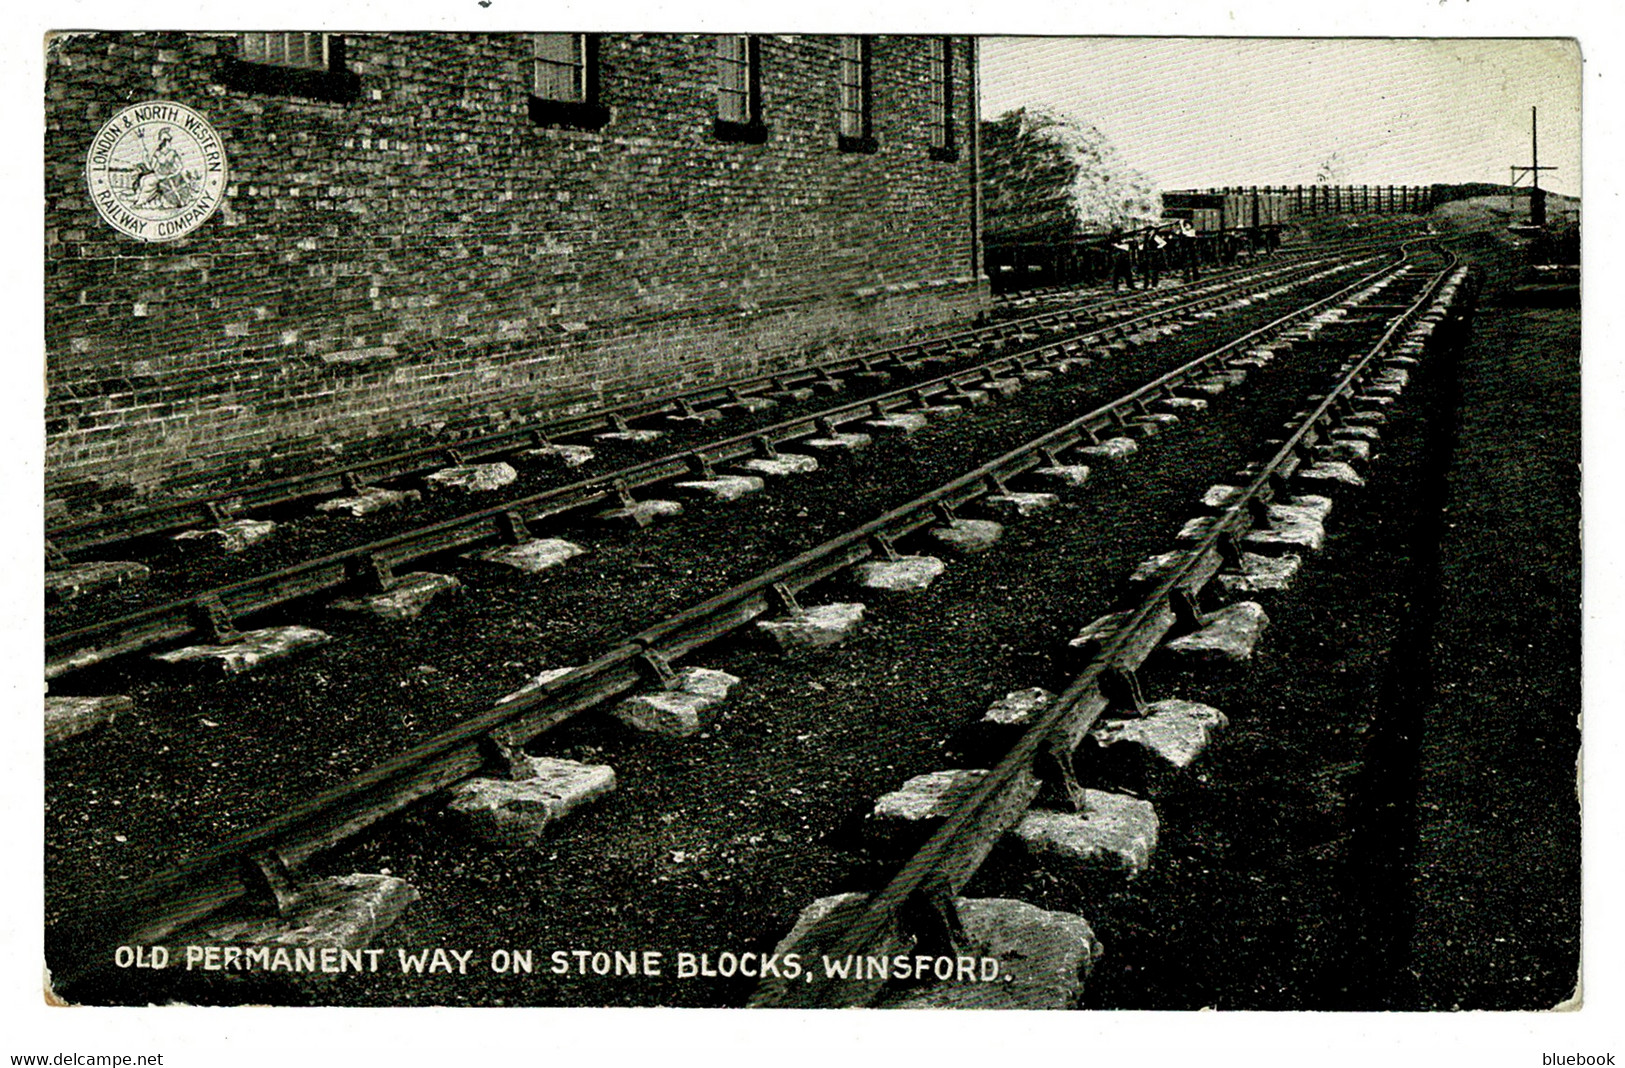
[968, 535]
[1066, 475]
[836, 442]
[706, 682]
[966, 398]
[1101, 631]
[694, 417]
[1111, 449]
[1261, 574]
[670, 713]
[256, 647]
[1229, 634]
[640, 513]
[406, 599]
[68, 716]
[1150, 424]
[470, 478]
[1044, 959]
[1180, 405]
[1313, 505]
[559, 455]
[901, 820]
[748, 404]
[66, 583]
[811, 629]
[630, 436]
[1018, 708]
[515, 812]
[1342, 450]
[1328, 475]
[1211, 385]
[904, 573]
[534, 556]
[723, 487]
[898, 423]
[1195, 529]
[344, 912]
[811, 917]
[368, 500]
[784, 463]
[1369, 434]
[1171, 735]
[1290, 528]
[1114, 832]
[927, 797]
[232, 537]
[675, 712]
[1019, 504]
[1152, 570]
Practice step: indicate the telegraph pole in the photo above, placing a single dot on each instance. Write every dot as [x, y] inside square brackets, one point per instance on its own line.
[1537, 195]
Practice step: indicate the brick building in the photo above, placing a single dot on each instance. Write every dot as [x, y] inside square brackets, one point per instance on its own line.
[468, 227]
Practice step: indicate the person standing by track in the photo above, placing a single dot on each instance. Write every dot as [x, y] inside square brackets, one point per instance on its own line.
[1122, 251]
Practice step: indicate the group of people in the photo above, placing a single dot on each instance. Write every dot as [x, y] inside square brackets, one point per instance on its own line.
[1140, 259]
[1130, 259]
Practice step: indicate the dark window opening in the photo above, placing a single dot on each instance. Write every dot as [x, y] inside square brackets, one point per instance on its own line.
[308, 50]
[739, 89]
[564, 81]
[309, 65]
[942, 100]
[855, 101]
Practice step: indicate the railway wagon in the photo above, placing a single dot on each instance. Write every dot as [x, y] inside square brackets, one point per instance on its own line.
[1209, 212]
[1204, 211]
[1014, 263]
[1270, 210]
[1202, 220]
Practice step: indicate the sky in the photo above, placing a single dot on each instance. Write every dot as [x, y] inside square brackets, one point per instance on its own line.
[1198, 112]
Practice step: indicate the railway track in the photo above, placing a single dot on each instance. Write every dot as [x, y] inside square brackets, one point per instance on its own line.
[918, 910]
[204, 599]
[73, 540]
[1021, 302]
[1024, 302]
[248, 863]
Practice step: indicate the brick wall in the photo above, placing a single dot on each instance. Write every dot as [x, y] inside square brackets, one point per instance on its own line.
[428, 253]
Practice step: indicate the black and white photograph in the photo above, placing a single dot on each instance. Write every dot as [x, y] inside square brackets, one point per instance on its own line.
[555, 512]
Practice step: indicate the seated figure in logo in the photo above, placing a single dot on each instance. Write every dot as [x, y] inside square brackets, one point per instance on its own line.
[160, 178]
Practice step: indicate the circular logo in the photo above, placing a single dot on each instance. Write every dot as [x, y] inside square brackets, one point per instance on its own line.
[156, 170]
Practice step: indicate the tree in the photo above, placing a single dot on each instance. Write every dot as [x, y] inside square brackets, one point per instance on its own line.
[1047, 176]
